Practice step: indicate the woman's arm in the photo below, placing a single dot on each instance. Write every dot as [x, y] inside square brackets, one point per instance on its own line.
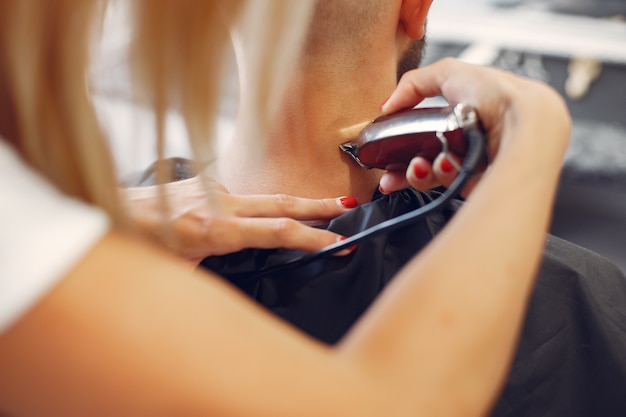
[131, 331]
[473, 280]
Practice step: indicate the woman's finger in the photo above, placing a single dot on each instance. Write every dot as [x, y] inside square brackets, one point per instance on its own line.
[237, 233]
[486, 89]
[414, 86]
[282, 205]
[445, 168]
[420, 174]
[392, 181]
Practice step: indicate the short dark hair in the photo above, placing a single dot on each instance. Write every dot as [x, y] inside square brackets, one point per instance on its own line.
[411, 58]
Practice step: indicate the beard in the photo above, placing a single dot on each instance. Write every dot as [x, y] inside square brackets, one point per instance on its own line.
[412, 57]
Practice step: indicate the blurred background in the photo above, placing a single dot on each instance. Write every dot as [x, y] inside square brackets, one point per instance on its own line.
[578, 47]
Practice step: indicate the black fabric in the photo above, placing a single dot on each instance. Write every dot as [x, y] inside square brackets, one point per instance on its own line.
[325, 297]
[571, 358]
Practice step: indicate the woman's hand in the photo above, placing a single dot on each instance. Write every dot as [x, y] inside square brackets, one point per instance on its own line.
[205, 219]
[506, 104]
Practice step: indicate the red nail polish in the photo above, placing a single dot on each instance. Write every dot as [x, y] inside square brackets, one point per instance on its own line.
[380, 188]
[349, 201]
[446, 165]
[350, 248]
[420, 172]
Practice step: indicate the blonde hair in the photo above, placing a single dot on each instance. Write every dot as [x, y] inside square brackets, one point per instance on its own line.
[46, 109]
[47, 113]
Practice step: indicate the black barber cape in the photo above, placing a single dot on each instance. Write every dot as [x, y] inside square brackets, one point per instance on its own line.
[571, 357]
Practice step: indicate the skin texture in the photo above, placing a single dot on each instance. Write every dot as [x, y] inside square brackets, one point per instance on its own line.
[331, 90]
[204, 219]
[130, 330]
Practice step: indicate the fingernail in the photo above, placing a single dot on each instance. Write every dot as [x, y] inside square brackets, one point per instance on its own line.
[420, 172]
[349, 201]
[446, 165]
[381, 190]
[350, 248]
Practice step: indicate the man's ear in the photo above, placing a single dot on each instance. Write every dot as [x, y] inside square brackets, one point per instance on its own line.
[413, 16]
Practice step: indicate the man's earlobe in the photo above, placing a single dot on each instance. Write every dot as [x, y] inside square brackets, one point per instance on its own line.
[413, 15]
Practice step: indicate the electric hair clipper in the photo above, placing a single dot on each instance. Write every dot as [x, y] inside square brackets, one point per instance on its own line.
[390, 142]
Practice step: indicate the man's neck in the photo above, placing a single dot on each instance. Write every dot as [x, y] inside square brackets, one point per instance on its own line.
[302, 156]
